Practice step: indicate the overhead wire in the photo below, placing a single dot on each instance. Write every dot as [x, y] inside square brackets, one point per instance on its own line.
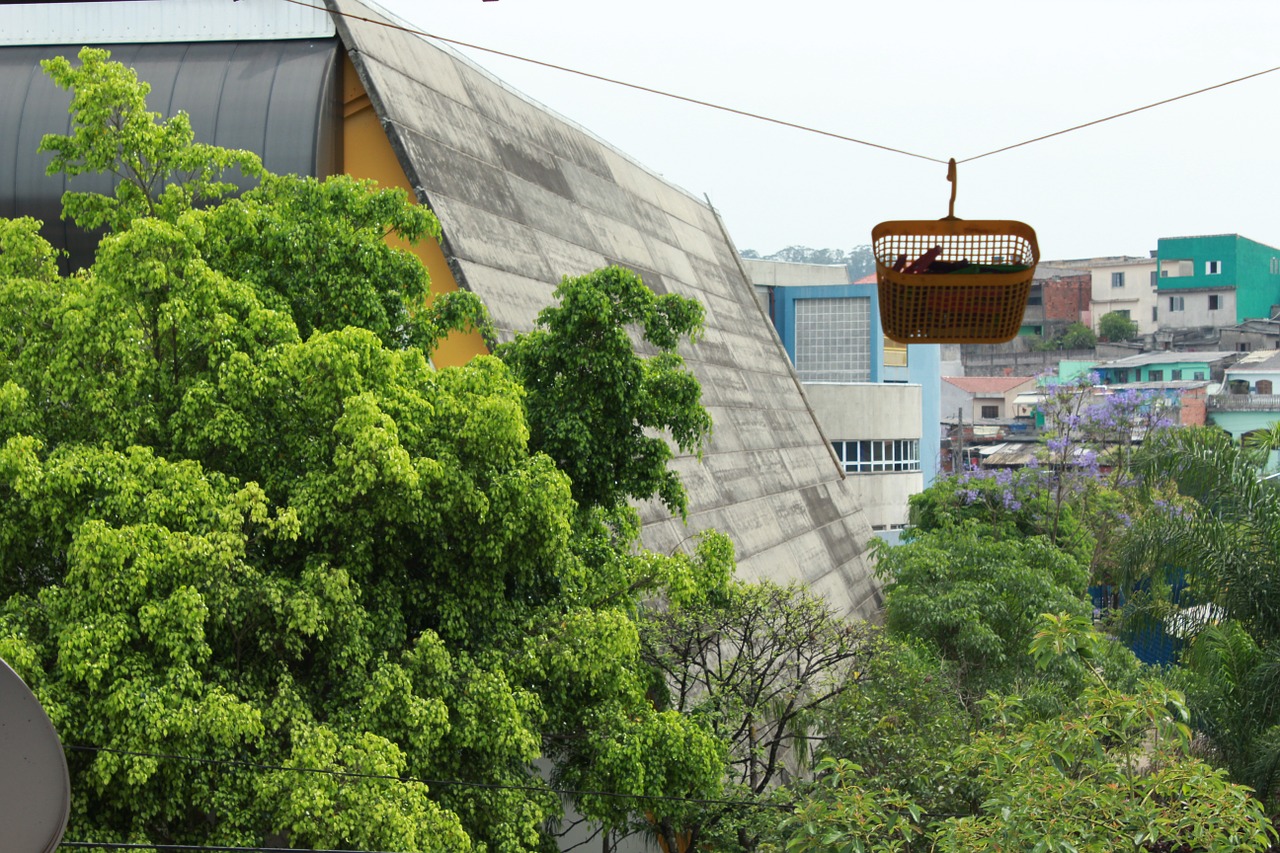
[758, 116]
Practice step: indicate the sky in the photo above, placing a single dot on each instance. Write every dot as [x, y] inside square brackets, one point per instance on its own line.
[940, 79]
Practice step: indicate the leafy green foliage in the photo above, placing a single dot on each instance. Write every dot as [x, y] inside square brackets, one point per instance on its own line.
[753, 665]
[1112, 772]
[222, 538]
[162, 171]
[1073, 337]
[593, 402]
[1220, 530]
[976, 600]
[904, 711]
[1116, 327]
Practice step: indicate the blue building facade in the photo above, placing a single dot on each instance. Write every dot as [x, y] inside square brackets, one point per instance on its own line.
[832, 333]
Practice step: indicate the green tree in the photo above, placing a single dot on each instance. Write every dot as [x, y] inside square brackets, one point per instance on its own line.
[593, 403]
[1116, 327]
[904, 713]
[1219, 535]
[977, 599]
[1077, 336]
[220, 540]
[1112, 772]
[755, 665]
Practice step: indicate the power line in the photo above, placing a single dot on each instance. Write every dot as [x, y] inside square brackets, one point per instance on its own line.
[1121, 115]
[639, 88]
[457, 783]
[765, 118]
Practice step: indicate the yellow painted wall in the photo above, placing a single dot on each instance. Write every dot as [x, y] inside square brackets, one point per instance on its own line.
[366, 153]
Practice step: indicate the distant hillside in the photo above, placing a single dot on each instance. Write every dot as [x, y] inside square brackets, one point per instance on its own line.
[859, 259]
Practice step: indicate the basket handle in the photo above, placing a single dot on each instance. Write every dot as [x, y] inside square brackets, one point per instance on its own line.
[951, 176]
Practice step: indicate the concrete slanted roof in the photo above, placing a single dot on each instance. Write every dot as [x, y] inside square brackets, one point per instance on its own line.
[986, 386]
[525, 197]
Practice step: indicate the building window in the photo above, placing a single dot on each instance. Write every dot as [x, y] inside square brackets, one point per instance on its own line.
[1122, 375]
[1155, 375]
[1176, 303]
[1035, 299]
[833, 339]
[990, 412]
[1153, 279]
[1215, 302]
[880, 455]
[1199, 374]
[1244, 347]
[895, 354]
[1212, 267]
[1155, 313]
[1117, 279]
[1123, 312]
[1175, 374]
[1275, 266]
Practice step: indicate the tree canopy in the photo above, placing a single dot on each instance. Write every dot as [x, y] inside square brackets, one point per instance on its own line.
[267, 566]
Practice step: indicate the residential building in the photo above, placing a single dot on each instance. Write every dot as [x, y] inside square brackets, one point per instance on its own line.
[1059, 296]
[1249, 397]
[1251, 335]
[1124, 284]
[877, 400]
[1158, 367]
[1215, 280]
[984, 398]
[524, 197]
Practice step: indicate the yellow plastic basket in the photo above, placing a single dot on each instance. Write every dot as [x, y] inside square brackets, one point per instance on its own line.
[981, 300]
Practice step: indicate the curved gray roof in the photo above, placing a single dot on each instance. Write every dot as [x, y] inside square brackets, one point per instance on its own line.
[278, 98]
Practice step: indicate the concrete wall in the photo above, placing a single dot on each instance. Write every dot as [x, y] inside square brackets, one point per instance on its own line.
[1195, 312]
[872, 411]
[990, 361]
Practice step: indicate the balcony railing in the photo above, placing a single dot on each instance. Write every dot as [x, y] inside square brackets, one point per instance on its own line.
[1244, 403]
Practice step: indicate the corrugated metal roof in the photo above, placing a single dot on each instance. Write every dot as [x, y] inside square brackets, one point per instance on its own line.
[132, 22]
[280, 99]
[524, 198]
[1166, 357]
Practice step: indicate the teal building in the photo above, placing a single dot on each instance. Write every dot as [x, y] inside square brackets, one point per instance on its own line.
[1215, 280]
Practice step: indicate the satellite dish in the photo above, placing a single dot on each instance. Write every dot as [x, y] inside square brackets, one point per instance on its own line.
[35, 789]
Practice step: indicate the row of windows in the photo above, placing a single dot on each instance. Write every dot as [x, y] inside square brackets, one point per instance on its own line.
[889, 454]
[1158, 375]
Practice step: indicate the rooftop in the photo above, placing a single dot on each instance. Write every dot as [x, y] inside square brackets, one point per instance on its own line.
[988, 384]
[1166, 357]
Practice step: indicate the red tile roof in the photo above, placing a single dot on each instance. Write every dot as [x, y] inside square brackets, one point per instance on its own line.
[987, 384]
[867, 279]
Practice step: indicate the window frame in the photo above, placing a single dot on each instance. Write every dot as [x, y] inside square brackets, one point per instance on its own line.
[1177, 303]
[1117, 280]
[1213, 267]
[878, 456]
[1215, 302]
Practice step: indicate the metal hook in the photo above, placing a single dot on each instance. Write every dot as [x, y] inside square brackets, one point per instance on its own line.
[951, 176]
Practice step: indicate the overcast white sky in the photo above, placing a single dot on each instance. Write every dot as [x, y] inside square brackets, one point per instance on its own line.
[943, 79]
